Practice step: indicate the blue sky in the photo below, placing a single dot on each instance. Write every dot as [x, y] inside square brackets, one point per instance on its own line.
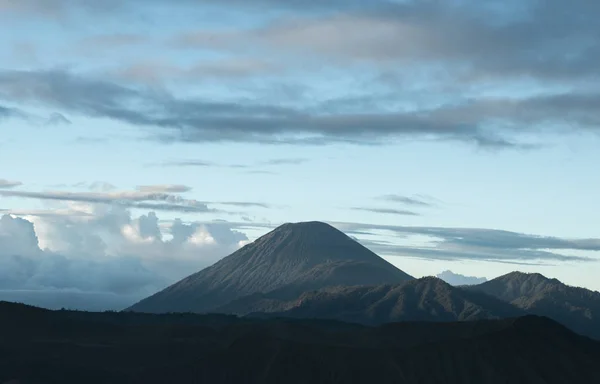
[459, 135]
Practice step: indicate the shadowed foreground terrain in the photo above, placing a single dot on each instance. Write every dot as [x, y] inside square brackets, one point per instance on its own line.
[41, 346]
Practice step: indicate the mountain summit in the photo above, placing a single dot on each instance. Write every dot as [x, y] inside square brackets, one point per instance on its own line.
[577, 308]
[291, 259]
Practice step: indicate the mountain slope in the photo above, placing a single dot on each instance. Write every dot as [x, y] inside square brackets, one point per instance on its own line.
[577, 308]
[289, 260]
[426, 299]
[93, 348]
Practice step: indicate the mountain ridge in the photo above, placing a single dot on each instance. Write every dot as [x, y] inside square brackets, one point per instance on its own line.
[424, 299]
[576, 307]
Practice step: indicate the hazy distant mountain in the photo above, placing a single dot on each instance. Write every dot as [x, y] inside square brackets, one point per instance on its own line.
[290, 260]
[577, 308]
[41, 346]
[426, 299]
[458, 279]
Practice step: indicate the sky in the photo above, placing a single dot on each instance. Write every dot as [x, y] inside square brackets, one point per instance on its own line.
[142, 141]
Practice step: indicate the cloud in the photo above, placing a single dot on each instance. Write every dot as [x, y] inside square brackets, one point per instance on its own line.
[101, 186]
[57, 119]
[456, 71]
[107, 254]
[132, 199]
[386, 211]
[458, 279]
[111, 41]
[417, 201]
[473, 244]
[196, 120]
[285, 161]
[9, 184]
[468, 37]
[250, 168]
[164, 188]
[9, 112]
[150, 197]
[204, 163]
[151, 72]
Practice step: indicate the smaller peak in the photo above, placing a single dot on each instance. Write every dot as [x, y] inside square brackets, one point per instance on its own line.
[523, 275]
[430, 280]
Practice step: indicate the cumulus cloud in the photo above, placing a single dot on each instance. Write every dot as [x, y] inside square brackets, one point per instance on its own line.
[458, 279]
[109, 254]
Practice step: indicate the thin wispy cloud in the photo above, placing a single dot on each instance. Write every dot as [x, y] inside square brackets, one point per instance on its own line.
[475, 244]
[157, 197]
[386, 211]
[417, 201]
[6, 184]
[164, 188]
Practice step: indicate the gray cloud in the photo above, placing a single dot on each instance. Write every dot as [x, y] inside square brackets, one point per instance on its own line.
[475, 244]
[458, 279]
[57, 119]
[452, 244]
[386, 211]
[154, 72]
[9, 184]
[202, 120]
[467, 36]
[61, 8]
[417, 201]
[111, 41]
[189, 163]
[9, 112]
[541, 53]
[250, 168]
[151, 197]
[138, 199]
[289, 161]
[243, 204]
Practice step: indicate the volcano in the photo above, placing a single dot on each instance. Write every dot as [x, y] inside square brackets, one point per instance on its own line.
[292, 259]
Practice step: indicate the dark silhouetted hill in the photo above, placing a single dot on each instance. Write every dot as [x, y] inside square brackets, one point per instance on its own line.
[41, 346]
[290, 260]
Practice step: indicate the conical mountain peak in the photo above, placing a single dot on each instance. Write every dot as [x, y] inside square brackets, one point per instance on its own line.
[291, 259]
[308, 233]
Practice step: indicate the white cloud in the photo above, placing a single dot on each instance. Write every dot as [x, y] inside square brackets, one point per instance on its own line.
[107, 253]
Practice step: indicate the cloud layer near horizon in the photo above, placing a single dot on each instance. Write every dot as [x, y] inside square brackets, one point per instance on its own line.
[478, 244]
[108, 253]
